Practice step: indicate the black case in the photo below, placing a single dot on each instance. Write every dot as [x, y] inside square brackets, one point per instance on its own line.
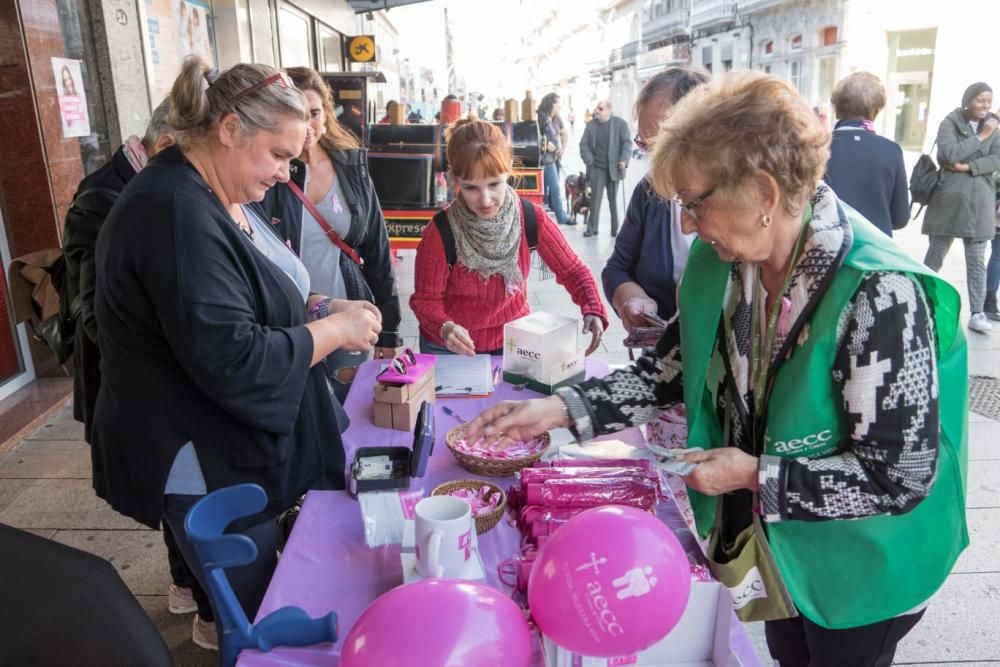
[414, 459]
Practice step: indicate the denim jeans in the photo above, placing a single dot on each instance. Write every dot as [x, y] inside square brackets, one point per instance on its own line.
[553, 193]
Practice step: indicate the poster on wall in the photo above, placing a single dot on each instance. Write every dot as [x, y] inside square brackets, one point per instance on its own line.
[72, 97]
[175, 29]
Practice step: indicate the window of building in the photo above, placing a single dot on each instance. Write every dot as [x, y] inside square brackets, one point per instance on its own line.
[767, 69]
[795, 43]
[294, 37]
[795, 75]
[830, 35]
[706, 57]
[329, 49]
[768, 47]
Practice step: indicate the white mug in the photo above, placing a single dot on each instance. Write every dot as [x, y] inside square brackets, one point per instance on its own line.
[445, 537]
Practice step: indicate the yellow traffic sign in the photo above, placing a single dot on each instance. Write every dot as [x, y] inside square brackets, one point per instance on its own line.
[361, 49]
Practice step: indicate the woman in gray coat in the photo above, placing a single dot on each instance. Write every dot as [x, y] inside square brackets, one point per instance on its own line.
[963, 204]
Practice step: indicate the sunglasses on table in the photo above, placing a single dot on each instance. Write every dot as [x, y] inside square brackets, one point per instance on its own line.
[402, 362]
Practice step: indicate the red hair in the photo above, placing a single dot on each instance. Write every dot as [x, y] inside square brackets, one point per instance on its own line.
[477, 149]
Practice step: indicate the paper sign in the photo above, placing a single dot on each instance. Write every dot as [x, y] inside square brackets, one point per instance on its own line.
[72, 97]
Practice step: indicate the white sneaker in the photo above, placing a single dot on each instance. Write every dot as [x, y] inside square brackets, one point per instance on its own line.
[979, 323]
[180, 600]
[203, 634]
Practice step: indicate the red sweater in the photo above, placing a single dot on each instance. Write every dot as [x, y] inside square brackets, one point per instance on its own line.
[483, 307]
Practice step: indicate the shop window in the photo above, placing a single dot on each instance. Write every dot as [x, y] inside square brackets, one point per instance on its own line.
[795, 75]
[830, 35]
[294, 37]
[795, 43]
[330, 49]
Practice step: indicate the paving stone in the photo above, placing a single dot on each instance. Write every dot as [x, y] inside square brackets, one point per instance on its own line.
[959, 625]
[983, 552]
[61, 427]
[139, 555]
[984, 484]
[11, 489]
[37, 459]
[61, 503]
[984, 440]
[176, 632]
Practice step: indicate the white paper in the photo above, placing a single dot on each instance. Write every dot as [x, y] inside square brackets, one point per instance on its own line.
[72, 98]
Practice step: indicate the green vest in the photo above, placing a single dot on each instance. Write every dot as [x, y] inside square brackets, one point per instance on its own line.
[840, 573]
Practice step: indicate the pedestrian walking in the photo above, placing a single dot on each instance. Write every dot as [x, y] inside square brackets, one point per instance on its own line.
[605, 149]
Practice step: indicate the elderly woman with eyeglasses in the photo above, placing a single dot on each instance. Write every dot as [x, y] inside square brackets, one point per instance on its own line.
[643, 272]
[211, 371]
[823, 373]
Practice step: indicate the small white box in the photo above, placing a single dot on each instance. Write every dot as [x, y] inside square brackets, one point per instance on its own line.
[541, 351]
[700, 638]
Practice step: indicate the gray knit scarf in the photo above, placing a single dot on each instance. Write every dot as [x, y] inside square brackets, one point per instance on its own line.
[489, 247]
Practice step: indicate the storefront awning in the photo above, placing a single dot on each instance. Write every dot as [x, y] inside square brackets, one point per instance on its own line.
[361, 6]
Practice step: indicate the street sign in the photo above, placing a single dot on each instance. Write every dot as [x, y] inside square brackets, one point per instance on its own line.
[361, 49]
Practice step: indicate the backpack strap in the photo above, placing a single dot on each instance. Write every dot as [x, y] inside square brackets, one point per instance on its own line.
[106, 196]
[530, 223]
[448, 237]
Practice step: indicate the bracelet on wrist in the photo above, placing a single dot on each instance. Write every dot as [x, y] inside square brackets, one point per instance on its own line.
[320, 309]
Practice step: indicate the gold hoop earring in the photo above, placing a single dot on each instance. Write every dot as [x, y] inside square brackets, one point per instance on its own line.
[765, 220]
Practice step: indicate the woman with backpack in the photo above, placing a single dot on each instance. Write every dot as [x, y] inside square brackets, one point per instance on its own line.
[964, 200]
[473, 260]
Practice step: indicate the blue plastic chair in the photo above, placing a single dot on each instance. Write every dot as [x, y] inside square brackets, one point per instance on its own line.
[205, 524]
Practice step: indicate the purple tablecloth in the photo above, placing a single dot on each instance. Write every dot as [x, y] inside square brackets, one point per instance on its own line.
[326, 564]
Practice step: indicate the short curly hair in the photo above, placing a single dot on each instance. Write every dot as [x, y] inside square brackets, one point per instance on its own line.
[736, 124]
[858, 95]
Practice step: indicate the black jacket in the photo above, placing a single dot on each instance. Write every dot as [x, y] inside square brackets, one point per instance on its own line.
[867, 172]
[83, 221]
[376, 280]
[203, 340]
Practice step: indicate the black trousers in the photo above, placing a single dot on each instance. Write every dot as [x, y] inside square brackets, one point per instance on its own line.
[798, 642]
[248, 582]
[182, 576]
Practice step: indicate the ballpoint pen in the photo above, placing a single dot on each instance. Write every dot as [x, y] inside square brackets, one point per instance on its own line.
[452, 413]
[496, 375]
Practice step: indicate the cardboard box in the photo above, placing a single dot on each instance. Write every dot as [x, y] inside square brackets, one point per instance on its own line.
[402, 416]
[391, 392]
[541, 351]
[700, 638]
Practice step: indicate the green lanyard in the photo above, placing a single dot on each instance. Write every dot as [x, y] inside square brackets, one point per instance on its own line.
[760, 361]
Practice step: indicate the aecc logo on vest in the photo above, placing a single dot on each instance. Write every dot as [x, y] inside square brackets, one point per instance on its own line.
[811, 441]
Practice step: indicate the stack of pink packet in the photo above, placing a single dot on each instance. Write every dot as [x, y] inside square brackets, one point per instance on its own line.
[482, 500]
[496, 450]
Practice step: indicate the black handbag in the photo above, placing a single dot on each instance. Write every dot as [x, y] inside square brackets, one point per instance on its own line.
[57, 331]
[923, 181]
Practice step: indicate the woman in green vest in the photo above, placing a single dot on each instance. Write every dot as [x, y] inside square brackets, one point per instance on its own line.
[823, 373]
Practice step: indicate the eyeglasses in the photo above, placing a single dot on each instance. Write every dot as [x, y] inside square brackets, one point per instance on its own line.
[690, 207]
[640, 142]
[278, 77]
[402, 362]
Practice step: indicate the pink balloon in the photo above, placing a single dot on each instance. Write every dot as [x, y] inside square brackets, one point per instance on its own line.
[611, 582]
[439, 623]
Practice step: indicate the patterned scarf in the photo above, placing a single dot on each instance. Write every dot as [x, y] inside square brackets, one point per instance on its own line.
[489, 247]
[862, 123]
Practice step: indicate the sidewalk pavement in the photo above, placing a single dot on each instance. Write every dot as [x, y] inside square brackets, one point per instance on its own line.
[45, 487]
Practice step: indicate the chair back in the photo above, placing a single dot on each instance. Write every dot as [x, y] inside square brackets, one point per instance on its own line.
[205, 524]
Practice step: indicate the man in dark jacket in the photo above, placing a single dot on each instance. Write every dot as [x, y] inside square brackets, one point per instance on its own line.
[605, 149]
[866, 170]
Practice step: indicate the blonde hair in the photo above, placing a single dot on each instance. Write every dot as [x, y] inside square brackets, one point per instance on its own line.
[736, 124]
[200, 97]
[858, 95]
[335, 136]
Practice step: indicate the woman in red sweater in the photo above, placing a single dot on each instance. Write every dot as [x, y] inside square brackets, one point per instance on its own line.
[462, 308]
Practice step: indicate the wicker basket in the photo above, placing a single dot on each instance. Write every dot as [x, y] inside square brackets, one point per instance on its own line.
[491, 467]
[484, 522]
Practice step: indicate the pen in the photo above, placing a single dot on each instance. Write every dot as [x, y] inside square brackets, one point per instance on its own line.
[496, 376]
[452, 413]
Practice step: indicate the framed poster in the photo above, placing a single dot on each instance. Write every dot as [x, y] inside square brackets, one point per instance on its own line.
[72, 97]
[175, 29]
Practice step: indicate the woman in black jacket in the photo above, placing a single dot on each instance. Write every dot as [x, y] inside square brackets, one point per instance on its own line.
[210, 371]
[332, 175]
[866, 170]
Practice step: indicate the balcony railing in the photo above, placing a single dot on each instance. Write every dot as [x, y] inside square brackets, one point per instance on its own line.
[709, 13]
[624, 55]
[747, 6]
[667, 25]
